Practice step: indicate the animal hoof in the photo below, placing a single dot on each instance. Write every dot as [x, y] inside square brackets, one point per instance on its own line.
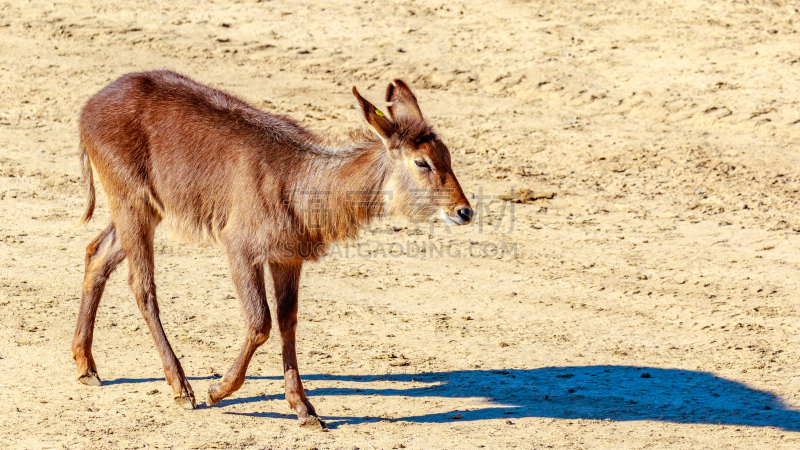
[211, 400]
[90, 379]
[185, 401]
[313, 422]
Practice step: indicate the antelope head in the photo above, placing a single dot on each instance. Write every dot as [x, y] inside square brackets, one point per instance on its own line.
[422, 181]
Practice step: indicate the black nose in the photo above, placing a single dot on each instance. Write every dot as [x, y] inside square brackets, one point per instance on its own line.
[465, 214]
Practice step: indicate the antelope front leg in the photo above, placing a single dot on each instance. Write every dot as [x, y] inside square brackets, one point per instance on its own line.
[249, 280]
[286, 279]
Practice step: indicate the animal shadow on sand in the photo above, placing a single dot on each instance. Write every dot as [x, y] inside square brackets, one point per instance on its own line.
[619, 393]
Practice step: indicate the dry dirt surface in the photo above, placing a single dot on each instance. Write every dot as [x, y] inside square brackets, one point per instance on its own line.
[630, 280]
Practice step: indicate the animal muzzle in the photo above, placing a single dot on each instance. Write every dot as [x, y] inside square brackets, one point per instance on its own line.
[462, 215]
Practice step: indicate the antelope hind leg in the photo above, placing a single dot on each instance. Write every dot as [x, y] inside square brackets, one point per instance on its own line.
[103, 255]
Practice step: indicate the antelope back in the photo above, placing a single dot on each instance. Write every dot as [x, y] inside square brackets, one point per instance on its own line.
[193, 155]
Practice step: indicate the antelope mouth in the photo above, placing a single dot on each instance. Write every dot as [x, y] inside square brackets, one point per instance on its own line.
[451, 220]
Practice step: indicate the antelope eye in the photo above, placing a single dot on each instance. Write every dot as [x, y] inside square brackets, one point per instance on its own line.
[421, 163]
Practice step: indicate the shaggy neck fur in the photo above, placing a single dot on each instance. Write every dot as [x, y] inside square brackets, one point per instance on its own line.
[342, 186]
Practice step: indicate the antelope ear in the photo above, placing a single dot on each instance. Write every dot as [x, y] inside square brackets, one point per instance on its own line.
[405, 108]
[375, 118]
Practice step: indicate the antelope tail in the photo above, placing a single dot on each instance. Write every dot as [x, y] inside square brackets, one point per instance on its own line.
[88, 183]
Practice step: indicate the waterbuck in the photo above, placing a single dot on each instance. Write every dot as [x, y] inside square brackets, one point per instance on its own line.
[268, 192]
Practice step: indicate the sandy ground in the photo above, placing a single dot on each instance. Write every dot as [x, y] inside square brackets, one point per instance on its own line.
[651, 302]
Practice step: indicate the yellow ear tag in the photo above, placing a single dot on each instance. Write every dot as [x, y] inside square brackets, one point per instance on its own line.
[378, 112]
